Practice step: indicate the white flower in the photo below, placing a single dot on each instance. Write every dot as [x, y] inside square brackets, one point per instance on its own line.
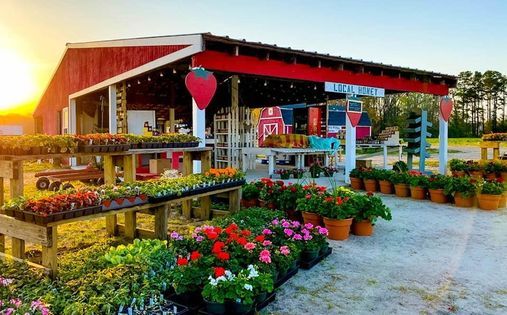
[229, 275]
[253, 273]
[221, 278]
[248, 287]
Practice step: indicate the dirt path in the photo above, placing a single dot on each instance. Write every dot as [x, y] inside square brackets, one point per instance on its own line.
[430, 259]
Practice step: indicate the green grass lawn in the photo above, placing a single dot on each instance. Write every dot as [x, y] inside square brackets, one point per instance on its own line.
[457, 141]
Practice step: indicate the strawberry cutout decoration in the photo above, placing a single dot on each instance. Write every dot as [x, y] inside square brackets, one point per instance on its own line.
[446, 108]
[202, 85]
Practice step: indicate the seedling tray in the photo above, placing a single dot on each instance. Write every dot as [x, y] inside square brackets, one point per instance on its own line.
[310, 264]
[289, 275]
[258, 307]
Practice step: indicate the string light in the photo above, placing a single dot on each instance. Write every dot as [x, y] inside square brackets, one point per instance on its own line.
[161, 74]
[265, 83]
[138, 82]
[149, 79]
[291, 86]
[174, 71]
[315, 87]
[128, 85]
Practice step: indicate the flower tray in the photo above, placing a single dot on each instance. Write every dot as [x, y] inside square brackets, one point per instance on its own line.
[310, 264]
[285, 278]
[258, 307]
[196, 191]
[38, 219]
[114, 204]
[191, 301]
[167, 307]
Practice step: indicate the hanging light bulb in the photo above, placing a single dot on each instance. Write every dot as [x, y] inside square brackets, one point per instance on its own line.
[265, 83]
[138, 82]
[174, 71]
[291, 86]
[315, 87]
[239, 80]
[128, 85]
[149, 79]
[161, 74]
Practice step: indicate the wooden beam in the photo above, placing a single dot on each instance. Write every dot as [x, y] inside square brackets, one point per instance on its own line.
[18, 248]
[49, 253]
[110, 179]
[130, 224]
[187, 163]
[205, 209]
[129, 170]
[186, 208]
[6, 169]
[234, 200]
[23, 230]
[205, 161]
[16, 181]
[2, 237]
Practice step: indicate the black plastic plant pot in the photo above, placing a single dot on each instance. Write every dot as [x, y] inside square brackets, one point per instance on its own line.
[307, 256]
[240, 308]
[215, 308]
[189, 299]
[261, 297]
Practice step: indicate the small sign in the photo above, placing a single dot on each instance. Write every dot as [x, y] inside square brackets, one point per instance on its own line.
[353, 89]
[446, 105]
[354, 106]
[354, 110]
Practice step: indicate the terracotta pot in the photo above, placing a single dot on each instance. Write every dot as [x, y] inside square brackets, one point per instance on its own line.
[417, 192]
[339, 230]
[490, 176]
[402, 190]
[503, 202]
[264, 204]
[356, 183]
[465, 202]
[119, 201]
[488, 202]
[476, 174]
[294, 215]
[362, 228]
[458, 173]
[438, 196]
[248, 203]
[370, 185]
[313, 218]
[386, 187]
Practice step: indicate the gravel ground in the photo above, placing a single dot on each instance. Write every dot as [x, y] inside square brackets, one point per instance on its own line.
[430, 259]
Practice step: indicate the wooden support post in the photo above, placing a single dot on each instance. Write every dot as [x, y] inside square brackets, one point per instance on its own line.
[16, 181]
[2, 237]
[161, 214]
[130, 224]
[49, 253]
[110, 179]
[205, 161]
[131, 216]
[18, 248]
[234, 200]
[186, 208]
[187, 163]
[205, 203]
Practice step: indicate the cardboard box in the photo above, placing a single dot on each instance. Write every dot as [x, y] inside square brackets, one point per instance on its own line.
[157, 166]
[363, 163]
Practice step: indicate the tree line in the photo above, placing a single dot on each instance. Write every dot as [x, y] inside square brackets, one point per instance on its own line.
[479, 106]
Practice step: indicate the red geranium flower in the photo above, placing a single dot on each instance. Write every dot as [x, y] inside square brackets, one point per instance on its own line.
[217, 229]
[260, 238]
[182, 261]
[246, 233]
[211, 235]
[195, 255]
[217, 247]
[231, 228]
[223, 256]
[241, 241]
[219, 271]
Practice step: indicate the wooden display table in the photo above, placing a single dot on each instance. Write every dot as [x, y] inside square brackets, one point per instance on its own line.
[11, 168]
[485, 145]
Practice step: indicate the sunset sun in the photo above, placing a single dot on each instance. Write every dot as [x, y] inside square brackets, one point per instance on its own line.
[17, 84]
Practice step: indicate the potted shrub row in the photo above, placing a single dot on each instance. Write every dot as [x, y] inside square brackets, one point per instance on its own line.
[478, 169]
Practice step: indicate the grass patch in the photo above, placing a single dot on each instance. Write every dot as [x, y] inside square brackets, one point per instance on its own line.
[457, 141]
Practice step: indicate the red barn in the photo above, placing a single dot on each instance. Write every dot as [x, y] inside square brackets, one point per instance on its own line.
[272, 122]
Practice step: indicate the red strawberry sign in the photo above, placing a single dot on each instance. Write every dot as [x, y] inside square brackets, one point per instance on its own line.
[354, 110]
[446, 108]
[202, 85]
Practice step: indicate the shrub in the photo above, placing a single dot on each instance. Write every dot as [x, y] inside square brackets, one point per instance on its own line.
[466, 186]
[370, 207]
[457, 165]
[250, 191]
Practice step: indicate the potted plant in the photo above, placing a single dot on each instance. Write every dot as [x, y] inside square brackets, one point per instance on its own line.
[491, 169]
[384, 180]
[474, 169]
[369, 208]
[298, 173]
[401, 184]
[249, 195]
[268, 195]
[400, 167]
[338, 214]
[503, 170]
[370, 179]
[458, 167]
[356, 179]
[284, 173]
[418, 185]
[436, 188]
[329, 171]
[490, 193]
[288, 198]
[310, 206]
[463, 189]
[315, 170]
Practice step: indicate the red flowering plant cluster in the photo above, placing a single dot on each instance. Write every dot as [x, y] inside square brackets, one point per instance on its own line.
[270, 191]
[61, 202]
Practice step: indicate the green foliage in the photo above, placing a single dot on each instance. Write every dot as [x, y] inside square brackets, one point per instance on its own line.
[457, 165]
[250, 191]
[438, 181]
[385, 174]
[418, 181]
[400, 178]
[490, 187]
[466, 186]
[369, 207]
[400, 167]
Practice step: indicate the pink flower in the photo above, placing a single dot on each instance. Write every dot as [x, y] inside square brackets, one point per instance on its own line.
[297, 237]
[296, 224]
[249, 246]
[307, 237]
[288, 232]
[199, 238]
[15, 302]
[9, 311]
[175, 236]
[305, 232]
[275, 222]
[267, 232]
[308, 226]
[286, 224]
[265, 256]
[284, 250]
[266, 243]
[323, 231]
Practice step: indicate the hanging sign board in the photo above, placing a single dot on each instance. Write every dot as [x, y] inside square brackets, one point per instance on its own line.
[352, 89]
[354, 110]
[446, 108]
[202, 85]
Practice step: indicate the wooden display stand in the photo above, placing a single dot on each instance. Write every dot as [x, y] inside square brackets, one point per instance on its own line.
[11, 167]
[485, 145]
